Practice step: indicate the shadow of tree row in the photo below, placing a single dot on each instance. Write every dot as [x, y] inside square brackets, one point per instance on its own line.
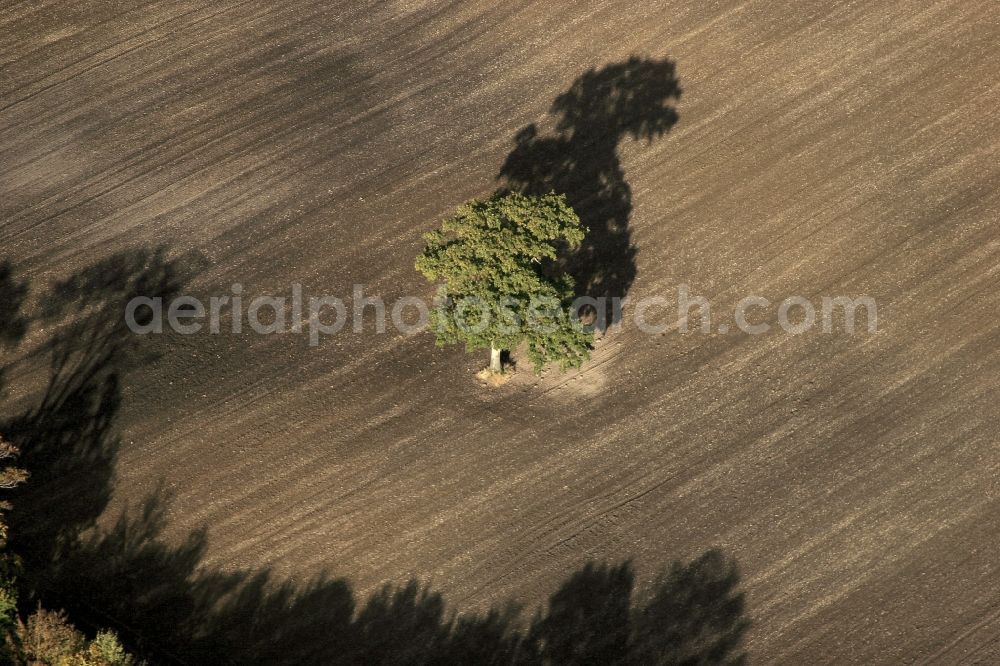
[693, 615]
[13, 321]
[67, 441]
[168, 607]
[580, 159]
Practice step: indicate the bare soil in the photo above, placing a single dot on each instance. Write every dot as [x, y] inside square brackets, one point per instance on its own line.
[818, 149]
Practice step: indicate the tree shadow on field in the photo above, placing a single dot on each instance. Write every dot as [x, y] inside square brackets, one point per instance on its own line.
[67, 441]
[13, 321]
[601, 108]
[169, 607]
[13, 293]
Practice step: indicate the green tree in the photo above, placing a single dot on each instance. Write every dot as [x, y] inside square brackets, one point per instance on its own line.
[47, 637]
[501, 287]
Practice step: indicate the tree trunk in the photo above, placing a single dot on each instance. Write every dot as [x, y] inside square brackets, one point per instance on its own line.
[495, 365]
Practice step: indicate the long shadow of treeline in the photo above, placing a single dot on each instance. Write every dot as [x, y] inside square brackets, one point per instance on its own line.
[580, 159]
[693, 615]
[67, 441]
[170, 608]
[13, 321]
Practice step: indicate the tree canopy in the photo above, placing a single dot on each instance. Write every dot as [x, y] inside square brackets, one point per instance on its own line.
[501, 284]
